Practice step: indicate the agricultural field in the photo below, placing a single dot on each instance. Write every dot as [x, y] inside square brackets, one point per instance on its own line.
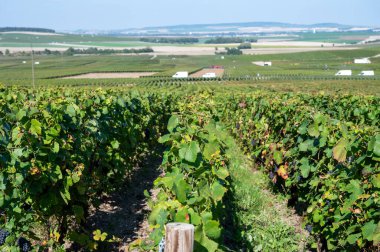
[280, 158]
[296, 65]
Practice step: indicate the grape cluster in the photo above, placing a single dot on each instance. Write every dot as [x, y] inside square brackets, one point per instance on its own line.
[271, 175]
[24, 244]
[3, 235]
[309, 228]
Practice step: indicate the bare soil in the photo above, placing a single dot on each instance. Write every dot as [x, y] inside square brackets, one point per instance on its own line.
[260, 51]
[218, 72]
[124, 212]
[133, 75]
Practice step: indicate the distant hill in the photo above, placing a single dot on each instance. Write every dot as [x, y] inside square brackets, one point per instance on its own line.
[229, 28]
[25, 29]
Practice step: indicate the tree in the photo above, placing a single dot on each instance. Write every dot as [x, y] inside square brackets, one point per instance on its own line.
[245, 46]
[70, 51]
[7, 52]
[233, 51]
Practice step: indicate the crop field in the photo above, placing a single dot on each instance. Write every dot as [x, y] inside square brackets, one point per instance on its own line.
[111, 75]
[280, 158]
[199, 74]
[325, 63]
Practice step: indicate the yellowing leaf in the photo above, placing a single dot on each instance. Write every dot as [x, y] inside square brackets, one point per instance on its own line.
[282, 172]
[99, 236]
[340, 150]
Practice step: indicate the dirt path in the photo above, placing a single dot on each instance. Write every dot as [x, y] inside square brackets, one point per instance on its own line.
[124, 213]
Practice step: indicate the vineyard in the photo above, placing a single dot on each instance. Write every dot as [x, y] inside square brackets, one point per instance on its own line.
[63, 148]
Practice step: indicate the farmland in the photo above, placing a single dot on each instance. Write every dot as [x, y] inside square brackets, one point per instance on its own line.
[282, 158]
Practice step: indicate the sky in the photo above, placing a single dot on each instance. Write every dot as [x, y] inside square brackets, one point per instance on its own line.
[68, 15]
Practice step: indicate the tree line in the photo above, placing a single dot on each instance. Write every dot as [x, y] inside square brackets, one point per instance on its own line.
[170, 40]
[229, 40]
[93, 50]
[71, 51]
[25, 29]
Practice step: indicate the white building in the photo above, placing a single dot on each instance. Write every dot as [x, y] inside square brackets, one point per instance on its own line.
[263, 63]
[344, 73]
[181, 75]
[209, 75]
[362, 61]
[367, 73]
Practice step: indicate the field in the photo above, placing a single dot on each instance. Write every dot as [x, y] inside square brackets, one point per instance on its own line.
[281, 158]
[324, 64]
[110, 75]
[199, 74]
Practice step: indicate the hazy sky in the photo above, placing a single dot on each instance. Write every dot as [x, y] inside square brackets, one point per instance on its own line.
[118, 14]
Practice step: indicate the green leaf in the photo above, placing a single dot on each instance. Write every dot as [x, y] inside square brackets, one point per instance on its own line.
[182, 216]
[340, 150]
[277, 156]
[376, 180]
[212, 229]
[20, 114]
[190, 152]
[180, 189]
[202, 242]
[368, 230]
[194, 217]
[210, 149]
[217, 191]
[115, 144]
[354, 188]
[376, 235]
[222, 172]
[1, 199]
[305, 167]
[164, 138]
[56, 147]
[374, 145]
[351, 239]
[173, 123]
[70, 110]
[313, 130]
[35, 127]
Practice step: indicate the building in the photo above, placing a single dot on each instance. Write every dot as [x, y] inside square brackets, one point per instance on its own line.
[344, 73]
[181, 75]
[263, 63]
[362, 61]
[209, 75]
[367, 73]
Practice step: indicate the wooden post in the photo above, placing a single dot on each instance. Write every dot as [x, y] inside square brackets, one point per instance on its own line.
[179, 237]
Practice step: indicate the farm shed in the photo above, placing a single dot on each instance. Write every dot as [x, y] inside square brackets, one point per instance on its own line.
[181, 75]
[362, 61]
[344, 73]
[263, 63]
[209, 75]
[367, 73]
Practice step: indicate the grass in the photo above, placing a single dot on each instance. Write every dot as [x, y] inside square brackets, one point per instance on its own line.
[336, 37]
[261, 220]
